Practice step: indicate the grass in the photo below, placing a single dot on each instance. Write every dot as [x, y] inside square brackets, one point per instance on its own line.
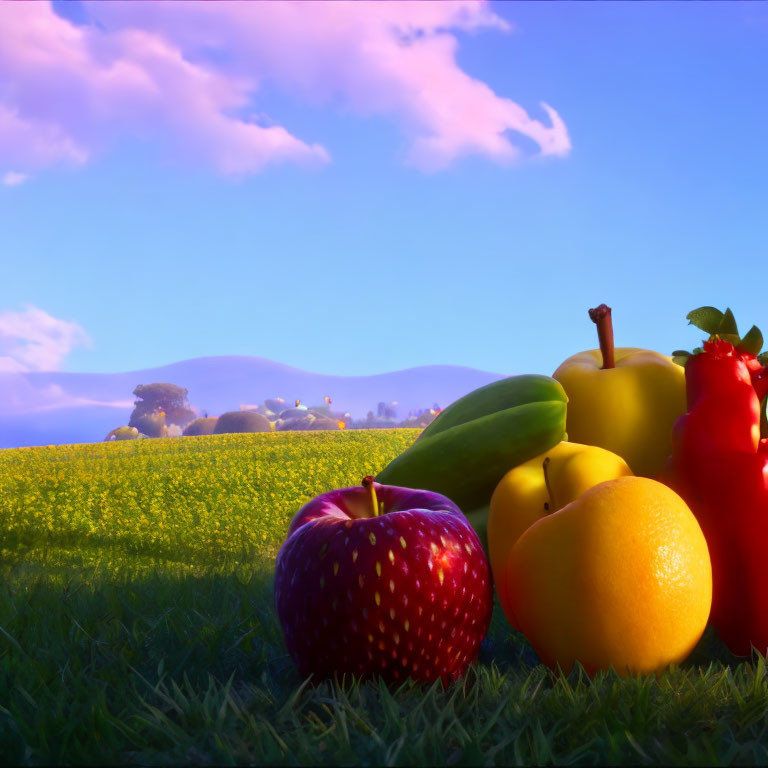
[137, 626]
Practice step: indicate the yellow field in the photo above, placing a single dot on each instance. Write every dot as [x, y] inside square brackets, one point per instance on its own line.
[191, 499]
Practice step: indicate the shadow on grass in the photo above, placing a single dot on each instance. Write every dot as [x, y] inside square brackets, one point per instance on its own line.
[133, 660]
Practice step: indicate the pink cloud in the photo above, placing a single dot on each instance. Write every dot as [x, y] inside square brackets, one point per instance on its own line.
[72, 88]
[33, 340]
[187, 73]
[20, 395]
[14, 178]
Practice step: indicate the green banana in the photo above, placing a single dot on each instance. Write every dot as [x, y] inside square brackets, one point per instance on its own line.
[496, 396]
[466, 461]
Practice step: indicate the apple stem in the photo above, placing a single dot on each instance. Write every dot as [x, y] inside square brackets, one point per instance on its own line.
[368, 484]
[550, 505]
[601, 317]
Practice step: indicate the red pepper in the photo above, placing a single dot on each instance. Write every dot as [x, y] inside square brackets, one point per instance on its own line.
[719, 466]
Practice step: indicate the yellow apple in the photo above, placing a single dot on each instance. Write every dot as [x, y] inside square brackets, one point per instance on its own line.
[538, 488]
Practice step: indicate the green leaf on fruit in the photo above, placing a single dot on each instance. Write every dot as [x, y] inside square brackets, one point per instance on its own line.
[727, 325]
[680, 357]
[722, 325]
[752, 341]
[763, 358]
[707, 319]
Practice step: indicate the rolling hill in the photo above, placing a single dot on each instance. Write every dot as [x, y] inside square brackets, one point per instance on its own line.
[43, 408]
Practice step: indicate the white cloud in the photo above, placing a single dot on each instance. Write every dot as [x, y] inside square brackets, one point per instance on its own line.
[33, 340]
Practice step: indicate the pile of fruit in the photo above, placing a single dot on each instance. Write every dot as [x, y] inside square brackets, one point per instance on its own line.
[612, 545]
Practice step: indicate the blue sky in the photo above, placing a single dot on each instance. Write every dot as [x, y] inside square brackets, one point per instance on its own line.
[365, 263]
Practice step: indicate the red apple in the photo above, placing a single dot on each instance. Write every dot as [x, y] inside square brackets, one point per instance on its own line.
[383, 580]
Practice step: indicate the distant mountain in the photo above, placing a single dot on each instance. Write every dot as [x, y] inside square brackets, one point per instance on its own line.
[57, 407]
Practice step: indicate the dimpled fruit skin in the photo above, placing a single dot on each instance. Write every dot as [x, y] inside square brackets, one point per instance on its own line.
[407, 593]
[620, 577]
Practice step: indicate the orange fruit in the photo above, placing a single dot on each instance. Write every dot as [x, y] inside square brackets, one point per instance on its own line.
[620, 578]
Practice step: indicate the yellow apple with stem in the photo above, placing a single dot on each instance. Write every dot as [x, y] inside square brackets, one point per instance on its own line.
[624, 399]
